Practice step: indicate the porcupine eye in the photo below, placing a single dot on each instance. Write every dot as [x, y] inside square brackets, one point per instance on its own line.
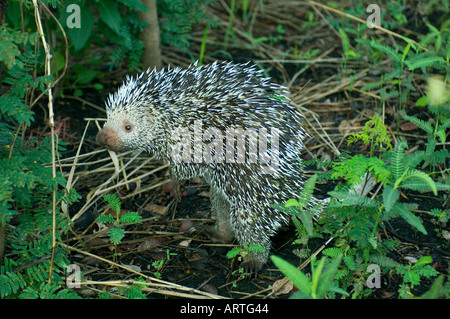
[128, 127]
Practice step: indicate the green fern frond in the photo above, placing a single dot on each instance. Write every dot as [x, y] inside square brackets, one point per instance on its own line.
[390, 197]
[420, 123]
[131, 218]
[383, 261]
[413, 159]
[350, 199]
[420, 179]
[307, 191]
[437, 157]
[397, 166]
[10, 283]
[412, 219]
[333, 252]
[421, 62]
[350, 262]
[387, 50]
[371, 86]
[444, 125]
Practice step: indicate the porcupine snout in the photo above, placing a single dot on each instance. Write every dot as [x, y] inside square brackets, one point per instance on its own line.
[107, 137]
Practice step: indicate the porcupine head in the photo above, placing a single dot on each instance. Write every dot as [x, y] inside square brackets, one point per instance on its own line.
[146, 110]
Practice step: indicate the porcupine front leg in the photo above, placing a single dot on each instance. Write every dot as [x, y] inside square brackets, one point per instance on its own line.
[249, 230]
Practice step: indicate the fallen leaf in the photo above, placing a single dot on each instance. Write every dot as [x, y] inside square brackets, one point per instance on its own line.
[281, 287]
[185, 243]
[186, 225]
[344, 127]
[408, 126]
[210, 288]
[157, 209]
[152, 242]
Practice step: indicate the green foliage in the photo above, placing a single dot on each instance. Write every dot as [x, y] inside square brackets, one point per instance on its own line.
[413, 273]
[116, 234]
[354, 169]
[177, 18]
[109, 35]
[133, 291]
[353, 219]
[26, 181]
[245, 250]
[322, 280]
[160, 263]
[374, 134]
[438, 289]
[298, 208]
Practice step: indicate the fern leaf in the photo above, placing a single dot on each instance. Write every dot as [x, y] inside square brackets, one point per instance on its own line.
[384, 261]
[415, 175]
[413, 159]
[388, 50]
[333, 252]
[398, 167]
[10, 283]
[371, 86]
[412, 219]
[390, 197]
[350, 262]
[113, 202]
[420, 123]
[437, 157]
[307, 191]
[444, 124]
[132, 218]
[420, 63]
[350, 199]
[297, 277]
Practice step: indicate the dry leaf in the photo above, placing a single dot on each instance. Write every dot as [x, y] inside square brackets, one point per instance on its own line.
[281, 287]
[408, 126]
[157, 209]
[210, 288]
[185, 243]
[185, 226]
[344, 127]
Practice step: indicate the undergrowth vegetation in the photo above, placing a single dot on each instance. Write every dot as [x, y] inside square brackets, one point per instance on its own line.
[378, 172]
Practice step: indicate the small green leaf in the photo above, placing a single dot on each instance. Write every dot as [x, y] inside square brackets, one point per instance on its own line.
[422, 101]
[291, 202]
[442, 135]
[116, 235]
[423, 261]
[132, 218]
[412, 277]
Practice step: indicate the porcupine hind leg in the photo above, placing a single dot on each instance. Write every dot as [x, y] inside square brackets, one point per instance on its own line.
[248, 229]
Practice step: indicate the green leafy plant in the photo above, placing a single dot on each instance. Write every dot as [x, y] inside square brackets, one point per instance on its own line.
[412, 274]
[322, 280]
[27, 184]
[159, 264]
[117, 233]
[242, 252]
[299, 209]
[374, 134]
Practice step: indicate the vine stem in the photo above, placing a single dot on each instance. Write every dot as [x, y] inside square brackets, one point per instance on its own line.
[51, 123]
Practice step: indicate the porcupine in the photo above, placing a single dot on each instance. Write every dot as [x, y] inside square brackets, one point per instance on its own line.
[151, 111]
